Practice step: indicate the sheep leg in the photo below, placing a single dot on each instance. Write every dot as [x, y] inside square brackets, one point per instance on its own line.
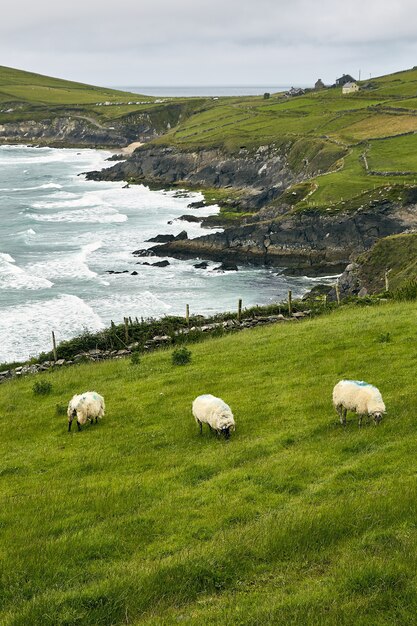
[211, 429]
[69, 425]
[79, 426]
[360, 420]
[344, 417]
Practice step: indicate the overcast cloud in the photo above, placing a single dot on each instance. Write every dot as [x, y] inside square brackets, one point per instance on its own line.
[208, 42]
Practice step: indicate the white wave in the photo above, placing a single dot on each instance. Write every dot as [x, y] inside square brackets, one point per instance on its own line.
[87, 199]
[94, 215]
[61, 266]
[14, 277]
[27, 235]
[44, 186]
[26, 329]
[139, 304]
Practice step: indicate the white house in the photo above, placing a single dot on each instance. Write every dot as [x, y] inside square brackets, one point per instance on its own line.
[350, 88]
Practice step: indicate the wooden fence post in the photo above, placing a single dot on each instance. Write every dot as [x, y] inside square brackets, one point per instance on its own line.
[126, 329]
[187, 314]
[387, 280]
[239, 310]
[54, 346]
[289, 302]
[337, 287]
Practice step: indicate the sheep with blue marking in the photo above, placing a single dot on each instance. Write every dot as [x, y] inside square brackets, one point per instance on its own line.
[214, 412]
[359, 397]
[85, 406]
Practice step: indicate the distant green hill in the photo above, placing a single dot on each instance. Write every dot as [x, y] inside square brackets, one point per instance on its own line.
[140, 520]
[17, 86]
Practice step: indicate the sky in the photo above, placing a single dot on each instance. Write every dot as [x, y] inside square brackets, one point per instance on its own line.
[208, 42]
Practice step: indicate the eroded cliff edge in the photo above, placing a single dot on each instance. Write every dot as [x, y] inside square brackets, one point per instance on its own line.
[310, 241]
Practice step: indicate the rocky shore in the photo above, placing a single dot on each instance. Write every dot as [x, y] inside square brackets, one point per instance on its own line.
[257, 178]
[310, 242]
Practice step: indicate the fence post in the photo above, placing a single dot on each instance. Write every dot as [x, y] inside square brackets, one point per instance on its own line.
[239, 310]
[54, 346]
[126, 329]
[387, 280]
[187, 314]
[289, 302]
[337, 287]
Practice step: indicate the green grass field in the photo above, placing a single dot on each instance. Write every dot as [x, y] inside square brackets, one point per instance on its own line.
[295, 520]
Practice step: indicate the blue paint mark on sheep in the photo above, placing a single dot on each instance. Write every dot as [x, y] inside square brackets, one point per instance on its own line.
[360, 383]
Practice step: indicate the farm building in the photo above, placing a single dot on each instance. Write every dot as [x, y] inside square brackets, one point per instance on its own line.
[346, 78]
[350, 88]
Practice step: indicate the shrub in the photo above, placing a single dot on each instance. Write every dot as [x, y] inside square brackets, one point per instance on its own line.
[384, 338]
[60, 409]
[267, 95]
[181, 356]
[42, 388]
[407, 292]
[135, 358]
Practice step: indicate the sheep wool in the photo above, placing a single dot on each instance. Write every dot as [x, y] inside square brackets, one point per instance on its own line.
[208, 409]
[360, 397]
[85, 406]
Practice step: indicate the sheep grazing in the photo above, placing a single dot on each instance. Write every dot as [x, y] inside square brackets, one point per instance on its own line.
[208, 409]
[360, 397]
[86, 406]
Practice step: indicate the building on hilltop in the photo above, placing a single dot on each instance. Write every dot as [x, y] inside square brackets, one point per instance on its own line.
[319, 84]
[346, 78]
[295, 91]
[350, 88]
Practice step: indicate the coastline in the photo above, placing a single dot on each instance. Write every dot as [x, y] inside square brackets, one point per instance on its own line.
[72, 248]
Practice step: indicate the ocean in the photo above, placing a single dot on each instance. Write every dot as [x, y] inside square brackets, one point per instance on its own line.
[60, 234]
[203, 91]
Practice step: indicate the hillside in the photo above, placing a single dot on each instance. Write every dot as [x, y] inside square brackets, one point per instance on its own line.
[40, 109]
[290, 172]
[295, 520]
[307, 182]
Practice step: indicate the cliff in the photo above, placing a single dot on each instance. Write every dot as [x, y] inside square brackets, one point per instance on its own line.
[308, 243]
[259, 177]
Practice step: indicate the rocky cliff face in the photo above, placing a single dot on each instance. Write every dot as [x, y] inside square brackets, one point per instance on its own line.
[310, 243]
[78, 129]
[260, 177]
[62, 130]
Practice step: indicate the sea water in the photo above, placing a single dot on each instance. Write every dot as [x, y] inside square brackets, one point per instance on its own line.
[60, 235]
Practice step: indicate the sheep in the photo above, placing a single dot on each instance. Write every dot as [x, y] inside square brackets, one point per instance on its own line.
[213, 411]
[85, 406]
[358, 396]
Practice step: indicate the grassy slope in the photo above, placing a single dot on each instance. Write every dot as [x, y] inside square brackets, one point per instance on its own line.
[139, 520]
[398, 254]
[27, 96]
[332, 130]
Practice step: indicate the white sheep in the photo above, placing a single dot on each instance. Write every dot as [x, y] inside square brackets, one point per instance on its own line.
[360, 397]
[85, 406]
[208, 409]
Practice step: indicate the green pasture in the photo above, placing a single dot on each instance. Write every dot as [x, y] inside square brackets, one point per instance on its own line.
[141, 520]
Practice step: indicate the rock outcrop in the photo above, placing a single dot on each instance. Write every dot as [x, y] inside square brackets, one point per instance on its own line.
[259, 177]
[310, 242]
